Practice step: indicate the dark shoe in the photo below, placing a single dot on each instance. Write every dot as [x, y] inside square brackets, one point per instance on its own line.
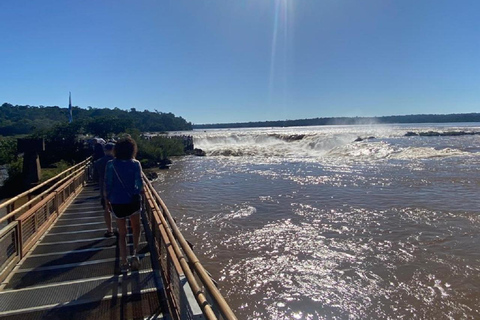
[108, 234]
[135, 263]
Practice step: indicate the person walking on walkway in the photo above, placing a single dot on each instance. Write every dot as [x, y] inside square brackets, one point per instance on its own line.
[99, 176]
[124, 186]
[98, 149]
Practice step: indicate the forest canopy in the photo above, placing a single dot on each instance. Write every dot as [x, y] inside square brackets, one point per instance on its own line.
[420, 118]
[15, 120]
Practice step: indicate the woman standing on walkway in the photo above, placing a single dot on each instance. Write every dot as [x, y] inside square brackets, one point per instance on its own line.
[123, 183]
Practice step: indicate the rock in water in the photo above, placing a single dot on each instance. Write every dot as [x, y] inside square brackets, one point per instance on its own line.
[164, 164]
[151, 175]
[199, 152]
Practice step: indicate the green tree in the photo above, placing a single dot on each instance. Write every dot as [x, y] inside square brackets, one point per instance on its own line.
[106, 127]
[8, 150]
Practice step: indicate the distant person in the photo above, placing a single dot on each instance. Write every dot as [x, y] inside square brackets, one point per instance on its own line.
[99, 176]
[97, 150]
[123, 185]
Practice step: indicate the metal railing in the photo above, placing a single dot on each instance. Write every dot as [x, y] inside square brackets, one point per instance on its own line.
[29, 221]
[182, 271]
[24, 201]
[192, 293]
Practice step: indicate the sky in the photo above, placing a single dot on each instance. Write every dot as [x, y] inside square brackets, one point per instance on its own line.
[218, 61]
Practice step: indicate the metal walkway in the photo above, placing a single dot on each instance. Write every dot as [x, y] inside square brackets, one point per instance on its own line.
[73, 273]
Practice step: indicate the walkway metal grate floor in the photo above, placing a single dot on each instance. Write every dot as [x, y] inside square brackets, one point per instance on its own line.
[73, 273]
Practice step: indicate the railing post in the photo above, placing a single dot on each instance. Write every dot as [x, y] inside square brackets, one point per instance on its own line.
[35, 225]
[10, 208]
[55, 203]
[20, 239]
[85, 174]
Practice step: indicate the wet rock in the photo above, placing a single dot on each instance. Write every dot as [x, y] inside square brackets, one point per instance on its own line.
[362, 139]
[147, 164]
[288, 138]
[151, 175]
[196, 152]
[295, 137]
[164, 164]
[430, 134]
[199, 152]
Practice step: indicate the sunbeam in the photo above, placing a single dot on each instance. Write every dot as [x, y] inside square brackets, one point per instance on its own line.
[277, 84]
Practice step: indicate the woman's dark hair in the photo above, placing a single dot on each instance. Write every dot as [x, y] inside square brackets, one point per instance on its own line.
[125, 149]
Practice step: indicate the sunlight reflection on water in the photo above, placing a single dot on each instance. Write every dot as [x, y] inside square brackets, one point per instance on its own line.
[357, 238]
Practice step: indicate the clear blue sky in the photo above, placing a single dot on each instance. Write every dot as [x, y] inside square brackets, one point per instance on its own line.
[216, 61]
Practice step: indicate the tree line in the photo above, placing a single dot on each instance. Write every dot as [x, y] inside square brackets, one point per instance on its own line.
[67, 143]
[421, 118]
[17, 120]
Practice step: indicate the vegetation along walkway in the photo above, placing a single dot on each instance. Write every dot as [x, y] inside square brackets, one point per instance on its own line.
[73, 273]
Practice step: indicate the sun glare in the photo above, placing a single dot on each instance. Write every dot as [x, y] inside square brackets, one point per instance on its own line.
[279, 50]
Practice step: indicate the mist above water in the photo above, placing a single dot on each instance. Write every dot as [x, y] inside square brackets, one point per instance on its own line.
[342, 142]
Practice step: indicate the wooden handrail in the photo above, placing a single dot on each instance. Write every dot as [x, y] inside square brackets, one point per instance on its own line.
[37, 206]
[197, 291]
[21, 195]
[40, 205]
[83, 164]
[175, 235]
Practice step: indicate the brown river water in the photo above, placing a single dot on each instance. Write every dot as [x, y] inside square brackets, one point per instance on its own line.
[306, 223]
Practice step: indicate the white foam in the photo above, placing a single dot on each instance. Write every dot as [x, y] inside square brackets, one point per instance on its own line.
[319, 142]
[241, 213]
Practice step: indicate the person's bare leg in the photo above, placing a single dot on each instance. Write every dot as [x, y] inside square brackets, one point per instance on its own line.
[135, 222]
[108, 218]
[122, 240]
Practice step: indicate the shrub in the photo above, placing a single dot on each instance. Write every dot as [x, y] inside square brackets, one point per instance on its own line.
[14, 183]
